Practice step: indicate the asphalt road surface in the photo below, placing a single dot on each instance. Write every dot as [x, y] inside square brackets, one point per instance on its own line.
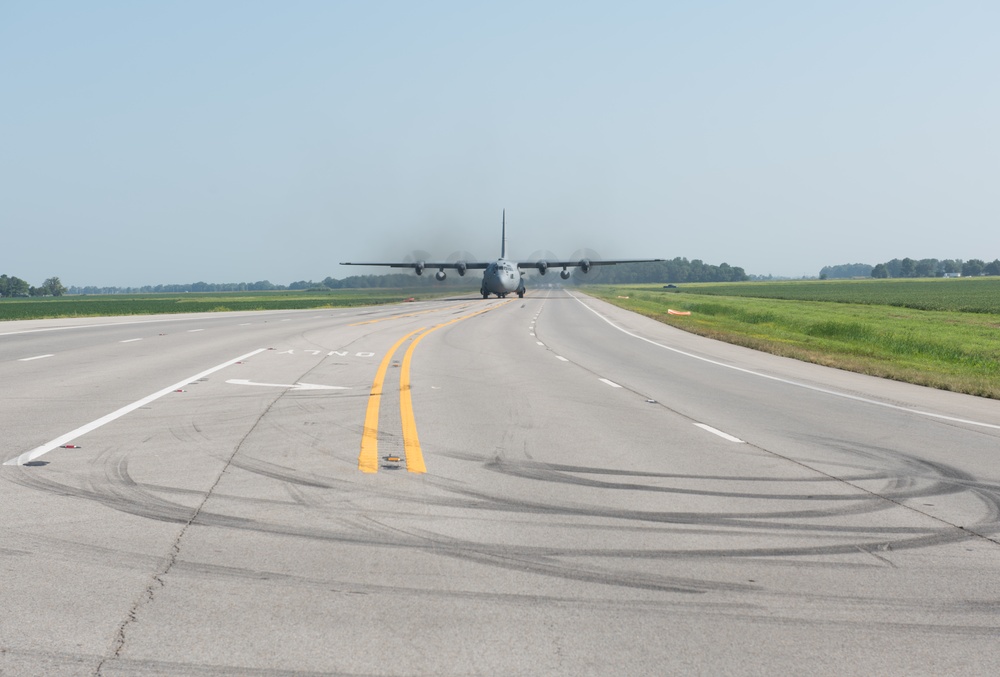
[541, 486]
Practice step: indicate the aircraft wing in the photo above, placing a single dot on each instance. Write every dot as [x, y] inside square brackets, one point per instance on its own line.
[420, 266]
[543, 265]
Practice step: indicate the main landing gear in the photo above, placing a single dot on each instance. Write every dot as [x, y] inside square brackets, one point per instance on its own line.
[486, 294]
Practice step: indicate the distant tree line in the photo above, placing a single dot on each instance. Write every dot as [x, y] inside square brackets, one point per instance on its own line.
[355, 282]
[263, 285]
[934, 268]
[677, 270]
[913, 268]
[11, 286]
[846, 270]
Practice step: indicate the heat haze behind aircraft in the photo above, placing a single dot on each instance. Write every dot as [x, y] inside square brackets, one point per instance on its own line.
[503, 276]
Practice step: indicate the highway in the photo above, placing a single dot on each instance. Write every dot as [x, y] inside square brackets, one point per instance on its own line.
[548, 485]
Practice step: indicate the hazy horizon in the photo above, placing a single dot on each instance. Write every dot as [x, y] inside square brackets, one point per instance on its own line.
[222, 142]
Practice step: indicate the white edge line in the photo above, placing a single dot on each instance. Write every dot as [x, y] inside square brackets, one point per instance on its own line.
[130, 340]
[725, 436]
[825, 391]
[29, 456]
[90, 326]
[36, 357]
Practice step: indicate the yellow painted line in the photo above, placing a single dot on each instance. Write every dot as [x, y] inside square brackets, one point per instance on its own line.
[368, 458]
[411, 441]
[405, 315]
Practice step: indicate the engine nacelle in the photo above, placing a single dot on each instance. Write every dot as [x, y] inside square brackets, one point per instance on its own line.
[461, 268]
[585, 265]
[440, 275]
[564, 274]
[543, 266]
[419, 267]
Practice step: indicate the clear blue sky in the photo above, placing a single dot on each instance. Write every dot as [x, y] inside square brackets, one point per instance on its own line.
[147, 143]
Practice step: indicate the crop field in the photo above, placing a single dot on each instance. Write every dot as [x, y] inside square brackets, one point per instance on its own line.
[195, 302]
[938, 333]
[966, 295]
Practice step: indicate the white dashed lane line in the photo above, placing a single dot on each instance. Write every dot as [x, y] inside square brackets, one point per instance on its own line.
[563, 359]
[725, 436]
[29, 456]
[36, 357]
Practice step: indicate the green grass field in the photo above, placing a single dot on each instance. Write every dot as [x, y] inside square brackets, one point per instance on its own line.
[967, 295]
[939, 333]
[194, 302]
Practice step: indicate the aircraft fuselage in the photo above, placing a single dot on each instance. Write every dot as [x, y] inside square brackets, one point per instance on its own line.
[502, 277]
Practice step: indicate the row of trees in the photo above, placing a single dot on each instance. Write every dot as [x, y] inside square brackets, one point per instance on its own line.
[933, 268]
[263, 285]
[913, 268]
[677, 270]
[11, 286]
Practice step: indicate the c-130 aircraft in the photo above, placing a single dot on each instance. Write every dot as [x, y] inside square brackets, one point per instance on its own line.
[503, 276]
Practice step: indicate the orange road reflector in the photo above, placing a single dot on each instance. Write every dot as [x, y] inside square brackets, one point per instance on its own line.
[392, 459]
[70, 446]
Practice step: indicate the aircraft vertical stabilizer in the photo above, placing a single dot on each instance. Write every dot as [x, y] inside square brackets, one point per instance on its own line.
[503, 235]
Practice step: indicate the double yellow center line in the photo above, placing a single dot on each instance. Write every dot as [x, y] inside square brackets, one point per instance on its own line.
[368, 458]
[403, 315]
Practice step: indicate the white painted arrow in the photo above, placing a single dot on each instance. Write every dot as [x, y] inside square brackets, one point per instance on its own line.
[297, 386]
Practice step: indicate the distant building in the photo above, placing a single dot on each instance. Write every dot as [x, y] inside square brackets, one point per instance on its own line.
[953, 275]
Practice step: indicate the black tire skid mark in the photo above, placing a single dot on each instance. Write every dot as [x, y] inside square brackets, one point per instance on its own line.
[760, 523]
[545, 561]
[567, 475]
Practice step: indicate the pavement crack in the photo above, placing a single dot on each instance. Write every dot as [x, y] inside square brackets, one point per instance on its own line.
[158, 579]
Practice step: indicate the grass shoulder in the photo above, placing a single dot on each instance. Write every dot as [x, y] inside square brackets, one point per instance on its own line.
[948, 349]
[200, 302]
